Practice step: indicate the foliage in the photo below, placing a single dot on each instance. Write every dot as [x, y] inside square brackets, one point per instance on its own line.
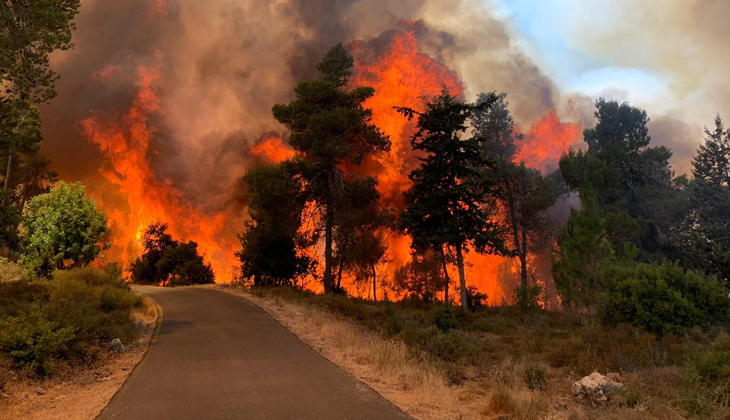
[663, 298]
[535, 377]
[524, 194]
[30, 30]
[475, 298]
[331, 127]
[62, 225]
[44, 323]
[421, 277]
[584, 250]
[633, 181]
[272, 241]
[443, 318]
[359, 231]
[167, 260]
[703, 233]
[447, 204]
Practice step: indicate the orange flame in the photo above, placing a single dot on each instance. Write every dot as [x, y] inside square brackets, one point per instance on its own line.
[124, 141]
[546, 141]
[273, 150]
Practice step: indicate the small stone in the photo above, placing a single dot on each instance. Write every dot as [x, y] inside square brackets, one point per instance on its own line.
[40, 391]
[117, 346]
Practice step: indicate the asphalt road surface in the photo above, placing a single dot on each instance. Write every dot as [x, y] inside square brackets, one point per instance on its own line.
[219, 357]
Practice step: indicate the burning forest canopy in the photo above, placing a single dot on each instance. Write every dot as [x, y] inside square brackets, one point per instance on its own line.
[164, 105]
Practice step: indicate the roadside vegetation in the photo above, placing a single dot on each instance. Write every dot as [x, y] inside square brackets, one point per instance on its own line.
[49, 326]
[521, 364]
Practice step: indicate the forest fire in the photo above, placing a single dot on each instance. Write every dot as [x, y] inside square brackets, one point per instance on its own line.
[124, 141]
[402, 75]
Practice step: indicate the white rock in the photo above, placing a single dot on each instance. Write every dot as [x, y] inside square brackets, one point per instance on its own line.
[596, 388]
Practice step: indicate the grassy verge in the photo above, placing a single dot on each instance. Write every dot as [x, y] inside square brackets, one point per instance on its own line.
[502, 362]
[50, 326]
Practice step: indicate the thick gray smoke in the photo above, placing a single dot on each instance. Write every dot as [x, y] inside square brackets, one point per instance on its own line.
[224, 64]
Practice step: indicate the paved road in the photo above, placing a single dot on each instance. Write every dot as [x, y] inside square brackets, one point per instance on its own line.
[220, 357]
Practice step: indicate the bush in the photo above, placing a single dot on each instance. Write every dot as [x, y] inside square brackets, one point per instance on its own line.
[535, 377]
[168, 260]
[443, 318]
[43, 322]
[663, 298]
[454, 346]
[33, 342]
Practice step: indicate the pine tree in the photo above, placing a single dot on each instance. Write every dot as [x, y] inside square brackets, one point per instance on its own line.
[447, 204]
[331, 127]
[524, 194]
[584, 250]
[704, 235]
[272, 242]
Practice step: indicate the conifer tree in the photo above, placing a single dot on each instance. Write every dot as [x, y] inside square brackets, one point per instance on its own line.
[447, 204]
[330, 126]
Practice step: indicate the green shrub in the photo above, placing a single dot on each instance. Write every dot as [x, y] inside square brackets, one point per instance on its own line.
[443, 318]
[454, 346]
[33, 342]
[43, 322]
[535, 377]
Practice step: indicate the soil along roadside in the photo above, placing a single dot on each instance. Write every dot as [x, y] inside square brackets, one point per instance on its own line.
[388, 366]
[83, 394]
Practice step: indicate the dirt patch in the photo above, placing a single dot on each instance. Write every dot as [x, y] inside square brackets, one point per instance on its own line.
[83, 393]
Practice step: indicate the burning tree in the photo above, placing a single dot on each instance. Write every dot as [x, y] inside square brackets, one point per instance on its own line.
[524, 194]
[447, 204]
[273, 238]
[168, 260]
[330, 127]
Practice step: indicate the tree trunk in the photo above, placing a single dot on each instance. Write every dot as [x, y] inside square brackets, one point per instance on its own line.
[523, 259]
[339, 273]
[657, 350]
[511, 203]
[462, 277]
[375, 288]
[7, 170]
[329, 221]
[446, 276]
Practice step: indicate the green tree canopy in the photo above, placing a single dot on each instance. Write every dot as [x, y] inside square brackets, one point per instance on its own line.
[330, 126]
[584, 250]
[62, 227]
[271, 244]
[704, 235]
[447, 204]
[29, 31]
[168, 261]
[633, 181]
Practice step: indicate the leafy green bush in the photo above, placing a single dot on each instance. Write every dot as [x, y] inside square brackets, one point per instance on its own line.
[33, 342]
[443, 318]
[43, 322]
[663, 298]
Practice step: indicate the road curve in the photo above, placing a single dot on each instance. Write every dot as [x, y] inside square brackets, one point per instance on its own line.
[218, 356]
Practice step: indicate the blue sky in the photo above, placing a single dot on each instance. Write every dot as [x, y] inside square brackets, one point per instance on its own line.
[546, 27]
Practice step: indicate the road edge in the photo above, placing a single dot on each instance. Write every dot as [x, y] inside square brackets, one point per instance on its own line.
[135, 371]
[251, 299]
